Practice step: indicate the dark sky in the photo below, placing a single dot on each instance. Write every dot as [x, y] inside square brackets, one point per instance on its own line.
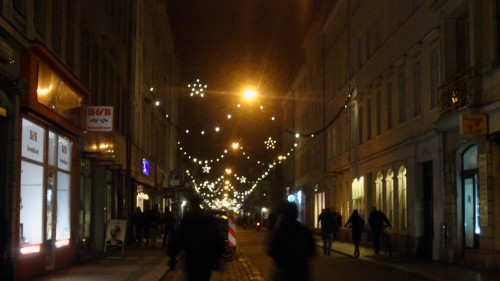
[228, 44]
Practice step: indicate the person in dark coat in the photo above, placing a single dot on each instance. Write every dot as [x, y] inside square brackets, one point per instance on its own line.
[377, 220]
[138, 221]
[327, 223]
[291, 245]
[357, 224]
[198, 236]
[168, 221]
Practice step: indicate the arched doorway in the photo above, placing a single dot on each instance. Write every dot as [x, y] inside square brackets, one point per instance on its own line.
[470, 197]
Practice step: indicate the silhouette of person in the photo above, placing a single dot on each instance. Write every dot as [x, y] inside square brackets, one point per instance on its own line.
[198, 236]
[327, 222]
[291, 245]
[168, 221]
[377, 220]
[138, 220]
[356, 223]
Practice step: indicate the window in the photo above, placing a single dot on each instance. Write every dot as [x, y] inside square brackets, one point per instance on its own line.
[402, 97]
[360, 125]
[389, 106]
[389, 185]
[403, 211]
[379, 192]
[378, 105]
[319, 205]
[39, 176]
[368, 119]
[417, 100]
[358, 195]
[435, 77]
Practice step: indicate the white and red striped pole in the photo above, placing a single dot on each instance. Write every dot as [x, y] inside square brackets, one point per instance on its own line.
[231, 231]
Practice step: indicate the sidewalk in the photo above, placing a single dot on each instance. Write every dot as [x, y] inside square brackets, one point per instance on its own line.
[146, 264]
[435, 270]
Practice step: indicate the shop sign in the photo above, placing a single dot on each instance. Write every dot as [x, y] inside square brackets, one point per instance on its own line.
[33, 141]
[474, 124]
[145, 167]
[100, 118]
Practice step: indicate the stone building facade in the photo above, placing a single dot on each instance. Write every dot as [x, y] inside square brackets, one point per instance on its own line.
[396, 106]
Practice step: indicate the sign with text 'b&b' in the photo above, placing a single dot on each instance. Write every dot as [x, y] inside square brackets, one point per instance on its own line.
[100, 118]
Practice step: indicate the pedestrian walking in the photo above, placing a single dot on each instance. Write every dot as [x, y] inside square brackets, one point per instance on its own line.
[290, 246]
[168, 221]
[154, 224]
[327, 224]
[377, 221]
[357, 224]
[138, 222]
[198, 236]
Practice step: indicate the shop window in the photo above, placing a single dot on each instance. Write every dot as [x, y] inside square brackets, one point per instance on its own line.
[45, 186]
[358, 195]
[389, 185]
[319, 204]
[403, 210]
[53, 93]
[379, 191]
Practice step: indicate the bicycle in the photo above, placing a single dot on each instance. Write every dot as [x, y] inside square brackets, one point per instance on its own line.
[386, 242]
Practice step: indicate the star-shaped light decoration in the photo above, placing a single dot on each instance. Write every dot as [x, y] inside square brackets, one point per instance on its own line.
[206, 169]
[243, 180]
[197, 88]
[270, 143]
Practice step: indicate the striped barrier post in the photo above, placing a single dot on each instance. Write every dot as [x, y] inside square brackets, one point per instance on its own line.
[231, 231]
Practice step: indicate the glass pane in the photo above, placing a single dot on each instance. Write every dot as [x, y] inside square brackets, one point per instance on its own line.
[64, 154]
[52, 149]
[63, 206]
[31, 209]
[470, 158]
[57, 96]
[51, 181]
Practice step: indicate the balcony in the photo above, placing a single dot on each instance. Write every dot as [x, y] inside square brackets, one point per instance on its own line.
[456, 94]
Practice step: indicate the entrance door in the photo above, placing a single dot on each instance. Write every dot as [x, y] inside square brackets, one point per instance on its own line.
[427, 180]
[470, 212]
[50, 217]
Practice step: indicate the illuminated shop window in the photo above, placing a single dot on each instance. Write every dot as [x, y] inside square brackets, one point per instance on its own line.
[56, 95]
[389, 184]
[358, 195]
[403, 211]
[45, 188]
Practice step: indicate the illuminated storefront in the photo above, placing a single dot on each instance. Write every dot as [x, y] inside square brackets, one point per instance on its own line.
[50, 127]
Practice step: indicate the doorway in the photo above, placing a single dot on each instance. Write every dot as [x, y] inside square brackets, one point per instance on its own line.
[425, 248]
[470, 200]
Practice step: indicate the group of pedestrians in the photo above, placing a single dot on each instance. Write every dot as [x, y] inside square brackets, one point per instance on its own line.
[291, 243]
[150, 224]
[377, 221]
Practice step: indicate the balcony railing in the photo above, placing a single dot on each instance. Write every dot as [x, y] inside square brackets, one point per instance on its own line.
[456, 94]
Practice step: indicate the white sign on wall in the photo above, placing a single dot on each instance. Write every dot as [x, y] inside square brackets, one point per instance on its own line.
[100, 118]
[64, 153]
[33, 141]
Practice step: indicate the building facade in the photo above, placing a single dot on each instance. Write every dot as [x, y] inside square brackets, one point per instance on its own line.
[87, 107]
[407, 123]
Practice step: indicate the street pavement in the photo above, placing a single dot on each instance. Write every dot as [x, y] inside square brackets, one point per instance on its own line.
[151, 265]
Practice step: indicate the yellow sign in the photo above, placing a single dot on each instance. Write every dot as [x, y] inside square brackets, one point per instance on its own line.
[474, 124]
[3, 112]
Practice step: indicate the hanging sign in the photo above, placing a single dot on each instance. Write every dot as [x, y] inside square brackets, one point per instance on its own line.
[474, 124]
[100, 118]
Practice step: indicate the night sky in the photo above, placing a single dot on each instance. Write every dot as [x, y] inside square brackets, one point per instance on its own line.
[230, 44]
